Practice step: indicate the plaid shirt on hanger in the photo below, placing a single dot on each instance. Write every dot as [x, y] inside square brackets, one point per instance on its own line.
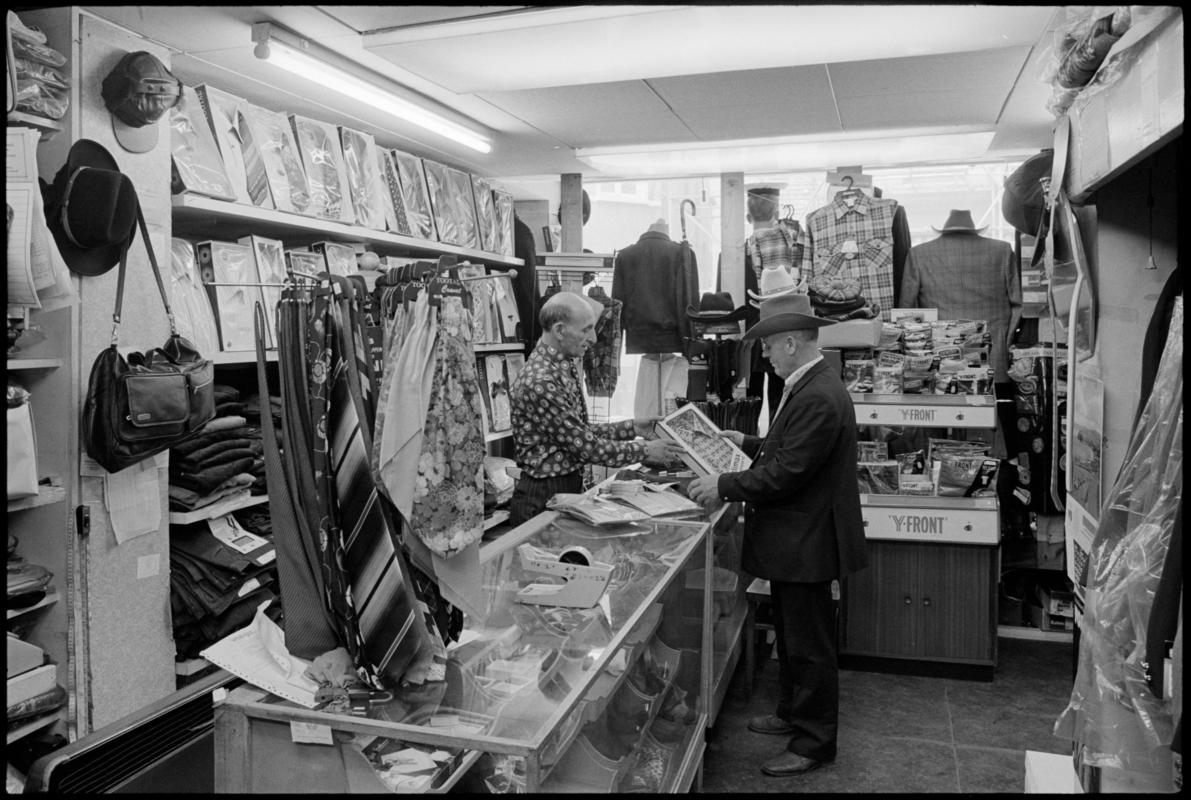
[856, 240]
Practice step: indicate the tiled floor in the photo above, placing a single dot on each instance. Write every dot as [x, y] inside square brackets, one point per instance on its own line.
[901, 733]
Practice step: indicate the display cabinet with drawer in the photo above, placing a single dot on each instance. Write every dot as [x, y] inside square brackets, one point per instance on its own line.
[537, 698]
[927, 601]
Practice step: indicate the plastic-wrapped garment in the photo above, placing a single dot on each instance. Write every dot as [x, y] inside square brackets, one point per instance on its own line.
[192, 306]
[1112, 714]
[453, 202]
[412, 175]
[195, 152]
[485, 214]
[279, 156]
[366, 184]
[326, 175]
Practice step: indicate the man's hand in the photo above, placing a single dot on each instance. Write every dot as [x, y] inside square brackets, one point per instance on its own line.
[662, 450]
[735, 437]
[645, 427]
[705, 491]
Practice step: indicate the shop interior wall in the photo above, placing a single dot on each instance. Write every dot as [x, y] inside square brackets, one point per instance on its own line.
[1126, 290]
[126, 630]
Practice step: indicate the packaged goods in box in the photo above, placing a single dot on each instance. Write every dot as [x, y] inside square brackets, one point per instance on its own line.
[485, 214]
[412, 174]
[453, 203]
[188, 296]
[366, 186]
[274, 139]
[223, 115]
[338, 259]
[270, 265]
[229, 270]
[1050, 622]
[197, 165]
[396, 200]
[326, 172]
[1058, 602]
[853, 333]
[503, 203]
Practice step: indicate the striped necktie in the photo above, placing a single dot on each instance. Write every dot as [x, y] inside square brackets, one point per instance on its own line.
[254, 165]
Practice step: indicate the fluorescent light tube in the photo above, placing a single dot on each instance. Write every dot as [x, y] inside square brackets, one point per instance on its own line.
[312, 69]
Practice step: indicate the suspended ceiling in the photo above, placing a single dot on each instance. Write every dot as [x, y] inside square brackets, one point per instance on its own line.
[545, 81]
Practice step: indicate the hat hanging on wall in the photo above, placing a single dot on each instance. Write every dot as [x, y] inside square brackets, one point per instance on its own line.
[959, 221]
[716, 307]
[138, 91]
[91, 209]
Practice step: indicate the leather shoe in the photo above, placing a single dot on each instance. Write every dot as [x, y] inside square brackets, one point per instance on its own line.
[789, 764]
[770, 724]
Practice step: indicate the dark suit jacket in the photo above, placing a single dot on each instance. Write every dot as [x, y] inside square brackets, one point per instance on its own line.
[803, 521]
[656, 286]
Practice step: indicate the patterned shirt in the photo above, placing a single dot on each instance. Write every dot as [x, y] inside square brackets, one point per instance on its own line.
[550, 428]
[854, 240]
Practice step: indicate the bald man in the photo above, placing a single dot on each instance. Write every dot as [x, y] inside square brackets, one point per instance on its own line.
[551, 435]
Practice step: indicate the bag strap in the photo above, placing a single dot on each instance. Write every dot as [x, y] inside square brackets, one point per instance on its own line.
[169, 312]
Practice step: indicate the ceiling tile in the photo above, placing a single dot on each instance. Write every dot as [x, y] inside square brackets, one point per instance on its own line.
[577, 102]
[372, 18]
[761, 119]
[934, 73]
[608, 130]
[803, 85]
[920, 109]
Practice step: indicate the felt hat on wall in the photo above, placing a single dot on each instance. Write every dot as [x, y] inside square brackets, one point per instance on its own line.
[787, 312]
[959, 221]
[91, 209]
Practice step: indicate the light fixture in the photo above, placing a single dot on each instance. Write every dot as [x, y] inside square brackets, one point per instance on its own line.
[296, 55]
[795, 153]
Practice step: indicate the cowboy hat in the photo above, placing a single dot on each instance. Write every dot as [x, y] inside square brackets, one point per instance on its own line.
[786, 312]
[716, 307]
[91, 209]
[774, 282]
[959, 221]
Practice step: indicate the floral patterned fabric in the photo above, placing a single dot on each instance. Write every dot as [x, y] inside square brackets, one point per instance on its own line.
[550, 427]
[448, 502]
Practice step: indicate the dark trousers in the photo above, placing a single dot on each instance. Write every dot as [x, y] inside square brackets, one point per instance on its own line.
[804, 623]
[531, 494]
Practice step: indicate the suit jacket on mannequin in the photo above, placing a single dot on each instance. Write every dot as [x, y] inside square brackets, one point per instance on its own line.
[656, 286]
[525, 287]
[968, 276]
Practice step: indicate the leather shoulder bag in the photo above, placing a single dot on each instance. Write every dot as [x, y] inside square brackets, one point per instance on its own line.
[136, 407]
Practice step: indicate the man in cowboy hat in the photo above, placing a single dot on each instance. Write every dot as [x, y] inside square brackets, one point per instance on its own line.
[803, 527]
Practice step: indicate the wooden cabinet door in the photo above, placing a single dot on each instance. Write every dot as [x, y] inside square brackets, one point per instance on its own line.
[955, 610]
[880, 606]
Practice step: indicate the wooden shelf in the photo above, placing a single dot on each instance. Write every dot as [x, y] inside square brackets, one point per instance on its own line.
[240, 357]
[47, 496]
[508, 347]
[196, 216]
[32, 727]
[217, 509]
[33, 363]
[50, 598]
[33, 121]
[496, 437]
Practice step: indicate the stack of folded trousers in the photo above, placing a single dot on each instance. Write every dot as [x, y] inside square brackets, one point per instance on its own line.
[252, 412]
[214, 588]
[223, 460]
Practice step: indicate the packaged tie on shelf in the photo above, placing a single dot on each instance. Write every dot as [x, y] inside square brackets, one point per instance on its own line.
[326, 173]
[966, 476]
[274, 139]
[364, 179]
[503, 203]
[197, 165]
[270, 265]
[222, 111]
[485, 213]
[188, 296]
[338, 258]
[229, 270]
[304, 262]
[453, 204]
[400, 222]
[412, 174]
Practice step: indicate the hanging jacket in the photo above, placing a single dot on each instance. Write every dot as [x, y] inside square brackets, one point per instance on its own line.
[656, 286]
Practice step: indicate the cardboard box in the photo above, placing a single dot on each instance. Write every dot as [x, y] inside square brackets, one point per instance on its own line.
[31, 683]
[1050, 622]
[1057, 601]
[1050, 773]
[23, 656]
[853, 333]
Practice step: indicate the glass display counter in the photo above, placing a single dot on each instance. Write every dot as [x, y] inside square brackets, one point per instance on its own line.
[537, 698]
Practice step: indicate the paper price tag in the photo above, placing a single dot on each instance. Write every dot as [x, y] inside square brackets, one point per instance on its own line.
[310, 733]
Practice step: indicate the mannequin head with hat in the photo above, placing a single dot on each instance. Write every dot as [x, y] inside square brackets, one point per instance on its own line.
[959, 221]
[762, 204]
[788, 331]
